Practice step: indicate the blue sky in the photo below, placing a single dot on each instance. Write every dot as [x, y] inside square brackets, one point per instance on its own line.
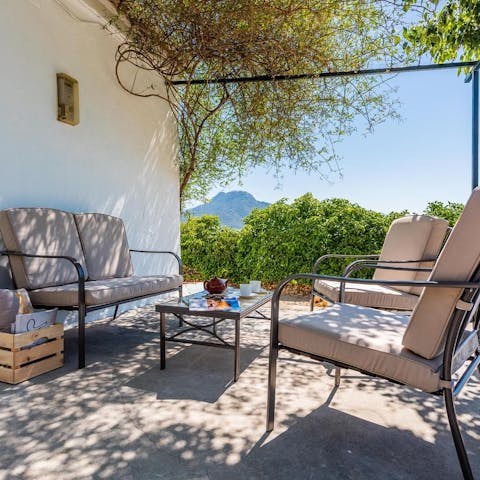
[403, 164]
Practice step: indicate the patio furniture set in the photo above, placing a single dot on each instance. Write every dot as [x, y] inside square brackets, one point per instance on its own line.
[82, 262]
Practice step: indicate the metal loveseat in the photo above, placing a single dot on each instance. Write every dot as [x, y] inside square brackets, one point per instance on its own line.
[77, 262]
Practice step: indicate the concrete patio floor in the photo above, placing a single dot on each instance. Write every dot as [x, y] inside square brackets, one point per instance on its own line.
[123, 418]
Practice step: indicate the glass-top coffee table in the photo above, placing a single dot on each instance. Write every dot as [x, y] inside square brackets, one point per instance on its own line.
[188, 322]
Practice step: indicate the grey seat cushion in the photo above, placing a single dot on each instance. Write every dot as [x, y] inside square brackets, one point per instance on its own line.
[376, 296]
[43, 231]
[101, 292]
[105, 246]
[365, 338]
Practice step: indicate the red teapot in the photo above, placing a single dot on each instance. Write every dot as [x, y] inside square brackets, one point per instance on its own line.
[215, 285]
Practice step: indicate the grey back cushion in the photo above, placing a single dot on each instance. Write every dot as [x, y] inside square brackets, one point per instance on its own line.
[460, 257]
[8, 310]
[105, 246]
[41, 231]
[410, 238]
[6, 280]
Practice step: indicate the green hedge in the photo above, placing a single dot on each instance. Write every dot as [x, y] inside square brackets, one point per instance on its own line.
[287, 238]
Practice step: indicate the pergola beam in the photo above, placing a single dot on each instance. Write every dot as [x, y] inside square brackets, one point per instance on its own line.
[306, 76]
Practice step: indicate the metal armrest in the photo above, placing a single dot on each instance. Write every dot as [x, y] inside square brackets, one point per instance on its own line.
[381, 265]
[179, 260]
[367, 281]
[74, 261]
[340, 255]
[385, 265]
[336, 255]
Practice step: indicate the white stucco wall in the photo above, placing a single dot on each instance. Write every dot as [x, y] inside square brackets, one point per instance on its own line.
[119, 160]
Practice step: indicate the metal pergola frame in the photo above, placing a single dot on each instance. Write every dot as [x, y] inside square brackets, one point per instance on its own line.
[472, 75]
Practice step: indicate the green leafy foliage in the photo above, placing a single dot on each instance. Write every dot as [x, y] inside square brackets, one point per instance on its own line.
[287, 238]
[283, 239]
[447, 30]
[208, 248]
[449, 211]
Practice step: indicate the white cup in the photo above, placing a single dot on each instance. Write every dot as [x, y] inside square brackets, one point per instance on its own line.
[256, 285]
[245, 289]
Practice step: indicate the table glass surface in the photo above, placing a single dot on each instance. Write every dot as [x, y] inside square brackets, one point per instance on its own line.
[247, 304]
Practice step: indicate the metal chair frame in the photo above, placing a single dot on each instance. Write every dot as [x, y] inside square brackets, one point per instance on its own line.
[455, 342]
[363, 261]
[82, 308]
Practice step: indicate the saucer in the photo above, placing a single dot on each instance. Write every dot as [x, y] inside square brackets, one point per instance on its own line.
[248, 296]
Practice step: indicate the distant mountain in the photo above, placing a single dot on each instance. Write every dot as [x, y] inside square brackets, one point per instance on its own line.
[231, 207]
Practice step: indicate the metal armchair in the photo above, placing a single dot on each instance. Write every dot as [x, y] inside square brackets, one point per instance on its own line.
[412, 244]
[435, 349]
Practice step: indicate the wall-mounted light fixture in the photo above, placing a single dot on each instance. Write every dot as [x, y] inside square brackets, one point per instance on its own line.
[67, 99]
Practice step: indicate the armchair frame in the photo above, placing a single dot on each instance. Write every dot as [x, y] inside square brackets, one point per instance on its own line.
[381, 265]
[362, 261]
[454, 350]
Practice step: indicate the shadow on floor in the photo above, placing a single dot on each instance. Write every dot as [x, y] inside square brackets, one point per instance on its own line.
[122, 418]
[330, 444]
[194, 373]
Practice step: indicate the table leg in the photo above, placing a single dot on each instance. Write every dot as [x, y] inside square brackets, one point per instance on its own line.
[162, 341]
[236, 371]
[214, 326]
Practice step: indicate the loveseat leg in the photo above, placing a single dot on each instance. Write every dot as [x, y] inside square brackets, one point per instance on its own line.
[457, 436]
[312, 301]
[338, 373]
[272, 383]
[81, 336]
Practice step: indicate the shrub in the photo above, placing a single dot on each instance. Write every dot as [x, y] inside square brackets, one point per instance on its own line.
[283, 239]
[449, 211]
[208, 248]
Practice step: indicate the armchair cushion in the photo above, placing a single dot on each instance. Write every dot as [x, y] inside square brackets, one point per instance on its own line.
[376, 296]
[99, 292]
[365, 338]
[459, 259]
[41, 231]
[105, 246]
[409, 238]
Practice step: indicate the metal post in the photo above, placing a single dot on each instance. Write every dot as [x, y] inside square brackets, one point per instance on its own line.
[236, 361]
[162, 340]
[475, 129]
[82, 313]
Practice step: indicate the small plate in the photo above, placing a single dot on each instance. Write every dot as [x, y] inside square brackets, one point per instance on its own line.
[248, 296]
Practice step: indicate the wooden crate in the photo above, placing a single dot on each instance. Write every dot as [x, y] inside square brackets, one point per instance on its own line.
[17, 365]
